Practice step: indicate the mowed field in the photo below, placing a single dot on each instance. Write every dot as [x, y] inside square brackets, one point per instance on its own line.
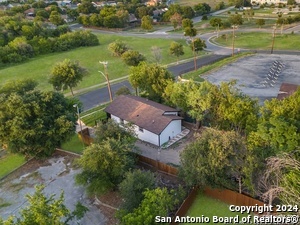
[39, 68]
[259, 40]
[212, 3]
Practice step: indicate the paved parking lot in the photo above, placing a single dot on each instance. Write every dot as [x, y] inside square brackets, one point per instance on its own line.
[251, 74]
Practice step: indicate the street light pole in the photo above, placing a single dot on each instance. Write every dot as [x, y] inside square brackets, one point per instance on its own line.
[79, 119]
[107, 79]
[233, 28]
[273, 39]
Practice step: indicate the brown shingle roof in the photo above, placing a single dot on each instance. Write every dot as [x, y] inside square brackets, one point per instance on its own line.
[286, 90]
[142, 112]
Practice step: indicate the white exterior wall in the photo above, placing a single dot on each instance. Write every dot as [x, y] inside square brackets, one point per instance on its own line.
[115, 118]
[171, 131]
[171, 113]
[146, 136]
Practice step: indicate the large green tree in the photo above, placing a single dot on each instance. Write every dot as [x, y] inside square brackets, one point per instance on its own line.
[104, 165]
[43, 210]
[214, 158]
[151, 79]
[133, 186]
[66, 74]
[221, 106]
[279, 126]
[105, 162]
[146, 23]
[157, 202]
[34, 122]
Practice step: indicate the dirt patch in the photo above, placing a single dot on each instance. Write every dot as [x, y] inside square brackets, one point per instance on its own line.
[114, 200]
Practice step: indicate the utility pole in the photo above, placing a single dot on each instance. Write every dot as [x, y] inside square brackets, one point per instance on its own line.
[107, 79]
[233, 28]
[80, 123]
[273, 39]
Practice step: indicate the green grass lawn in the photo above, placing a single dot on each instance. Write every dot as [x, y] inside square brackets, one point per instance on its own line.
[209, 207]
[40, 67]
[9, 162]
[73, 145]
[212, 3]
[92, 118]
[196, 75]
[256, 40]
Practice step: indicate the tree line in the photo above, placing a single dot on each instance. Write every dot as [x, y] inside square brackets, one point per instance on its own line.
[22, 39]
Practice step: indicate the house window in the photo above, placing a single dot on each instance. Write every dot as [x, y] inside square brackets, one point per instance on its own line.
[141, 129]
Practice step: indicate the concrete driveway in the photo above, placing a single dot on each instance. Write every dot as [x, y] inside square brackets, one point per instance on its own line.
[56, 174]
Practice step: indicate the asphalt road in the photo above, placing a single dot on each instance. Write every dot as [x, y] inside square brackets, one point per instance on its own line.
[99, 96]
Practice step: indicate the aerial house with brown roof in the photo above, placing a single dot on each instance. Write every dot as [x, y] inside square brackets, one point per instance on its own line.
[153, 122]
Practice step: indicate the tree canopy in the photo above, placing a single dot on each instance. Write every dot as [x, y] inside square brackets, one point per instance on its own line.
[43, 210]
[156, 202]
[132, 57]
[133, 186]
[66, 74]
[105, 162]
[176, 49]
[34, 122]
[150, 79]
[214, 159]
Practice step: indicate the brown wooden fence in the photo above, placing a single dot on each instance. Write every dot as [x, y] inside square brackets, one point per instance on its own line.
[232, 198]
[85, 136]
[158, 165]
[186, 204]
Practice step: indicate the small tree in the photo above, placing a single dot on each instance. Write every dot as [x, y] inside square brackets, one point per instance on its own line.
[187, 23]
[198, 44]
[176, 49]
[260, 22]
[176, 20]
[192, 32]
[236, 19]
[123, 91]
[217, 23]
[146, 23]
[46, 210]
[132, 58]
[55, 18]
[66, 74]
[117, 48]
[156, 52]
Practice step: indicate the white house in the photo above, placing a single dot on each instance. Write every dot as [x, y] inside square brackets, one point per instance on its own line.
[153, 122]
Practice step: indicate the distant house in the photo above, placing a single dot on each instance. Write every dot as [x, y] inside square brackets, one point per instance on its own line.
[132, 19]
[286, 90]
[30, 12]
[153, 122]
